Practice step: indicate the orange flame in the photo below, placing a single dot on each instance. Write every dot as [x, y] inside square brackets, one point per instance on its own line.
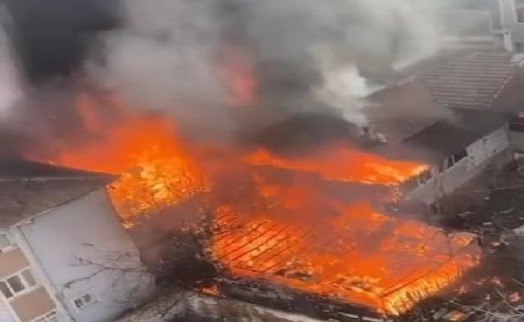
[366, 258]
[155, 168]
[344, 163]
[237, 70]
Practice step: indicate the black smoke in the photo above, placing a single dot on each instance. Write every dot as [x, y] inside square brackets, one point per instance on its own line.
[53, 38]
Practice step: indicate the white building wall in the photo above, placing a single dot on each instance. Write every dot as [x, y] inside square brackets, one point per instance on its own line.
[480, 154]
[509, 21]
[82, 248]
[5, 313]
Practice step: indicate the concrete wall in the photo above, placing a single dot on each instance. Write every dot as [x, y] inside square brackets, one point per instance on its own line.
[491, 149]
[180, 304]
[82, 248]
[509, 21]
[5, 314]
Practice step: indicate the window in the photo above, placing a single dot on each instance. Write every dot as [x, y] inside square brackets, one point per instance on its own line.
[460, 155]
[28, 277]
[520, 15]
[441, 167]
[456, 158]
[519, 7]
[4, 242]
[17, 283]
[516, 127]
[424, 177]
[48, 317]
[450, 162]
[84, 301]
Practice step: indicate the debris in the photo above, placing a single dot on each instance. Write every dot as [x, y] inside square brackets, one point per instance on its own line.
[455, 316]
[507, 211]
[496, 280]
[519, 231]
[514, 297]
[440, 314]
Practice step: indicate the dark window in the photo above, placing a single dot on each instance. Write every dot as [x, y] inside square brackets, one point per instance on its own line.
[441, 167]
[4, 242]
[519, 7]
[84, 300]
[449, 162]
[16, 283]
[424, 177]
[520, 15]
[28, 277]
[516, 127]
[79, 303]
[460, 155]
[434, 209]
[519, 47]
[5, 290]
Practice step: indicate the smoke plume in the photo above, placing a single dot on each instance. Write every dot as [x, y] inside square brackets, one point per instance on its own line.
[306, 55]
[10, 91]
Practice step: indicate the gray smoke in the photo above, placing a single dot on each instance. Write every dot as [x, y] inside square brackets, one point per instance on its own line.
[308, 54]
[10, 86]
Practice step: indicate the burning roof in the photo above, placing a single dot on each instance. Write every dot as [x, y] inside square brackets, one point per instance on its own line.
[362, 257]
[274, 217]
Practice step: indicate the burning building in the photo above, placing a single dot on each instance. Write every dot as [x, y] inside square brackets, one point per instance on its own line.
[292, 215]
[283, 228]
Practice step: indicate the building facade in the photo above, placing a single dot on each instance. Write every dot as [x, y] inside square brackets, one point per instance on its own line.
[63, 254]
[458, 168]
[458, 117]
[512, 24]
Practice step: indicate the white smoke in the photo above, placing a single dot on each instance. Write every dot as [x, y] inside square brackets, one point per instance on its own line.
[164, 56]
[10, 90]
[343, 88]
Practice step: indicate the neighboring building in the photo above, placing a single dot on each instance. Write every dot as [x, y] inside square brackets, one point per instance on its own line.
[483, 81]
[190, 306]
[474, 81]
[401, 110]
[455, 117]
[512, 24]
[458, 150]
[63, 253]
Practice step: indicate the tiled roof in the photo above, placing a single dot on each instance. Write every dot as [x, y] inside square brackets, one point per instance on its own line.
[400, 110]
[446, 137]
[29, 188]
[473, 81]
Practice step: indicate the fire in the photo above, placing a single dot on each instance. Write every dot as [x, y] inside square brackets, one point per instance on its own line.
[362, 256]
[236, 68]
[154, 167]
[344, 163]
[291, 233]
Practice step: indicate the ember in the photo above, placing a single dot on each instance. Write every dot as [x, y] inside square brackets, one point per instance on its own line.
[293, 233]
